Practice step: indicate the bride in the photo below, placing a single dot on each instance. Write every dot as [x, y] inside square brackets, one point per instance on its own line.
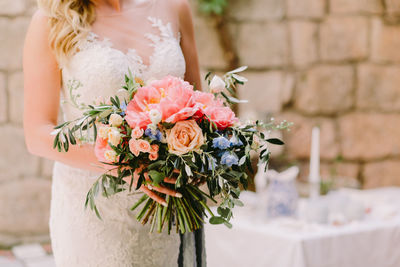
[77, 51]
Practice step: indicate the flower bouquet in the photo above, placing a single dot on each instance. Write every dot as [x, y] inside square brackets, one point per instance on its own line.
[166, 133]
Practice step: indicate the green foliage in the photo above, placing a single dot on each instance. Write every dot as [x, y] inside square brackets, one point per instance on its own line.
[213, 7]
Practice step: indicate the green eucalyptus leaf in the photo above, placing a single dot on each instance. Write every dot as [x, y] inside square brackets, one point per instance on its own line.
[156, 177]
[216, 220]
[275, 141]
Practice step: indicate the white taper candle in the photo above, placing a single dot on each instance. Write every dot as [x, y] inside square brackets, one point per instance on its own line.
[315, 177]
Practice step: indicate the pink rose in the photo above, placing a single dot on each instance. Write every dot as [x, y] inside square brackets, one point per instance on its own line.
[184, 137]
[223, 117]
[143, 146]
[133, 147]
[137, 132]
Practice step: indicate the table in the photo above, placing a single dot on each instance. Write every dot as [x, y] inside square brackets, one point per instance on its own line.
[293, 243]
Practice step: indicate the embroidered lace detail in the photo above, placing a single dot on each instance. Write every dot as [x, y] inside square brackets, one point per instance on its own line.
[165, 44]
[93, 40]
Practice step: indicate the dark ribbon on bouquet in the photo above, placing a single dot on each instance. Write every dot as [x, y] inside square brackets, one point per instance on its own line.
[192, 251]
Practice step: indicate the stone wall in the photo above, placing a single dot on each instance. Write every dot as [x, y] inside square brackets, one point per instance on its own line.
[24, 179]
[332, 63]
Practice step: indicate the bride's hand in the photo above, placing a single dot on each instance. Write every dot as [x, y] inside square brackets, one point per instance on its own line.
[148, 189]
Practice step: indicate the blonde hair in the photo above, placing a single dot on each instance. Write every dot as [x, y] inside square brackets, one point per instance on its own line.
[70, 22]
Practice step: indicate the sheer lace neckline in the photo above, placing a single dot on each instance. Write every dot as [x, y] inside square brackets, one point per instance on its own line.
[165, 34]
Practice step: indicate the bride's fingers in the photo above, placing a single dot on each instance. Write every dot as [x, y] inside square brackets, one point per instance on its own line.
[176, 171]
[170, 180]
[162, 189]
[167, 191]
[154, 196]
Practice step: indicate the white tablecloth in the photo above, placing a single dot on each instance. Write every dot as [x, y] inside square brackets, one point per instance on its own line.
[291, 243]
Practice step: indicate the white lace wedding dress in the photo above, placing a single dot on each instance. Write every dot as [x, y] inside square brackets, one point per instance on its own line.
[79, 238]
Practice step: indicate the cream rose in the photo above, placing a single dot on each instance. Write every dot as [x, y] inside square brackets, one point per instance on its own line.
[103, 131]
[110, 155]
[184, 137]
[114, 136]
[116, 120]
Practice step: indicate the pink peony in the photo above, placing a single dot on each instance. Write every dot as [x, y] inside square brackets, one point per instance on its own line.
[171, 96]
[137, 111]
[176, 100]
[223, 117]
[136, 118]
[203, 100]
[176, 105]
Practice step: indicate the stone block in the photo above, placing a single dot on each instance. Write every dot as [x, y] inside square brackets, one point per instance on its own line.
[11, 40]
[263, 91]
[381, 174]
[15, 160]
[326, 90]
[303, 42]
[263, 44]
[356, 6]
[369, 136]
[392, 7]
[344, 38]
[3, 98]
[25, 206]
[210, 52]
[246, 10]
[16, 97]
[12, 7]
[385, 42]
[378, 87]
[298, 139]
[306, 8]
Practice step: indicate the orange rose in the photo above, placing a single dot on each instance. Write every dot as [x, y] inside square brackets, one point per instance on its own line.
[153, 156]
[184, 137]
[154, 148]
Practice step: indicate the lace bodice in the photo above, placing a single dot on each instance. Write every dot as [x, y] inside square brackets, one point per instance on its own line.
[97, 71]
